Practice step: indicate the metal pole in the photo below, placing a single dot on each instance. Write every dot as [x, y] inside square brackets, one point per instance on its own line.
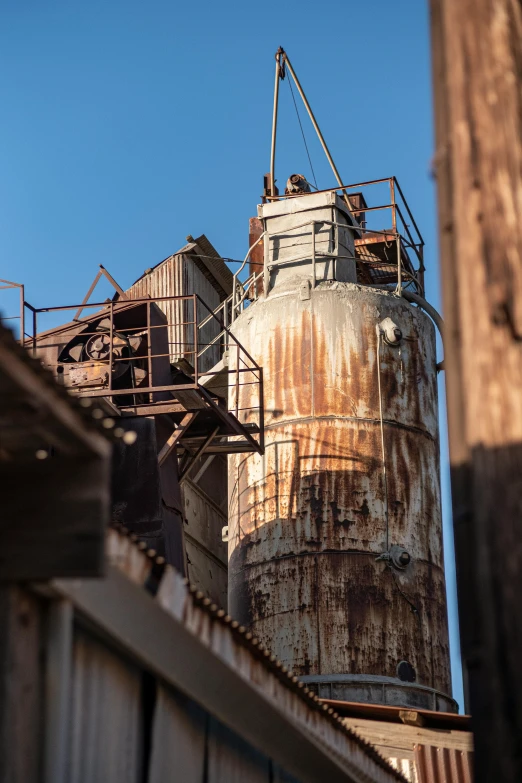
[111, 344]
[195, 316]
[149, 353]
[313, 253]
[317, 129]
[399, 265]
[22, 315]
[392, 202]
[274, 122]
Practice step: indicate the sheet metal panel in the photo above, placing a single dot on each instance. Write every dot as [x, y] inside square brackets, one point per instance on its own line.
[179, 276]
[443, 765]
[307, 520]
[207, 566]
[105, 740]
[196, 648]
[178, 740]
[232, 760]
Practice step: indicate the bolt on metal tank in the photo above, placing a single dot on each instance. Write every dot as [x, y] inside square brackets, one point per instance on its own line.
[335, 532]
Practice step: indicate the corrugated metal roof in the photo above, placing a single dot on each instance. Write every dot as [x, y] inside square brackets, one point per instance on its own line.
[231, 641]
[443, 765]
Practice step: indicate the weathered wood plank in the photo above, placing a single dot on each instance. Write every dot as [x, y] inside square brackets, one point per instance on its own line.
[477, 47]
[20, 686]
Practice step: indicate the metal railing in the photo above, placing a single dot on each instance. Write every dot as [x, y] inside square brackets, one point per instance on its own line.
[395, 269]
[8, 285]
[160, 352]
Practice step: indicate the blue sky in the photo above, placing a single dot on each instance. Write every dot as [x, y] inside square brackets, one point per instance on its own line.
[128, 125]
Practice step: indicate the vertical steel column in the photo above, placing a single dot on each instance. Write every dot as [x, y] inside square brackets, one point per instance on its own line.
[392, 202]
[399, 265]
[149, 354]
[237, 379]
[22, 315]
[313, 253]
[195, 327]
[111, 343]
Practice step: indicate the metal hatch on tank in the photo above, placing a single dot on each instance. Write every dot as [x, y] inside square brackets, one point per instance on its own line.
[335, 532]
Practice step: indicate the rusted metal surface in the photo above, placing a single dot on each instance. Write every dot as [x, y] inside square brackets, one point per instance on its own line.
[308, 519]
[192, 646]
[256, 262]
[177, 276]
[206, 551]
[443, 765]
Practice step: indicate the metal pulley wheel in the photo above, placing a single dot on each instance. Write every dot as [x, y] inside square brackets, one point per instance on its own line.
[99, 346]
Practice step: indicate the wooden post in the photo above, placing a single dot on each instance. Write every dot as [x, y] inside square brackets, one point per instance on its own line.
[477, 67]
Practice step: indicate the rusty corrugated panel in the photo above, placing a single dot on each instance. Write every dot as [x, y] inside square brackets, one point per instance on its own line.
[307, 520]
[256, 262]
[234, 647]
[443, 765]
[180, 276]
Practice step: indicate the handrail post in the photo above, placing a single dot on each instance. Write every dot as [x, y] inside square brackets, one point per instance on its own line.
[399, 266]
[266, 258]
[195, 315]
[111, 342]
[149, 353]
[392, 202]
[22, 315]
[313, 254]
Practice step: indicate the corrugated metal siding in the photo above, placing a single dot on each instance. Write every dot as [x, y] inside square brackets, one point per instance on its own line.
[406, 766]
[179, 276]
[105, 716]
[206, 552]
[178, 740]
[232, 760]
[443, 765]
[190, 746]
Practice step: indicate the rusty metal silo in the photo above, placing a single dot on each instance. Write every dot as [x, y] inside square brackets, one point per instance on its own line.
[335, 533]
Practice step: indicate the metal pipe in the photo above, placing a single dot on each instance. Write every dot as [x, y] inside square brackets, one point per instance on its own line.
[392, 200]
[352, 186]
[111, 344]
[383, 448]
[195, 327]
[149, 352]
[399, 265]
[22, 315]
[421, 302]
[313, 253]
[274, 124]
